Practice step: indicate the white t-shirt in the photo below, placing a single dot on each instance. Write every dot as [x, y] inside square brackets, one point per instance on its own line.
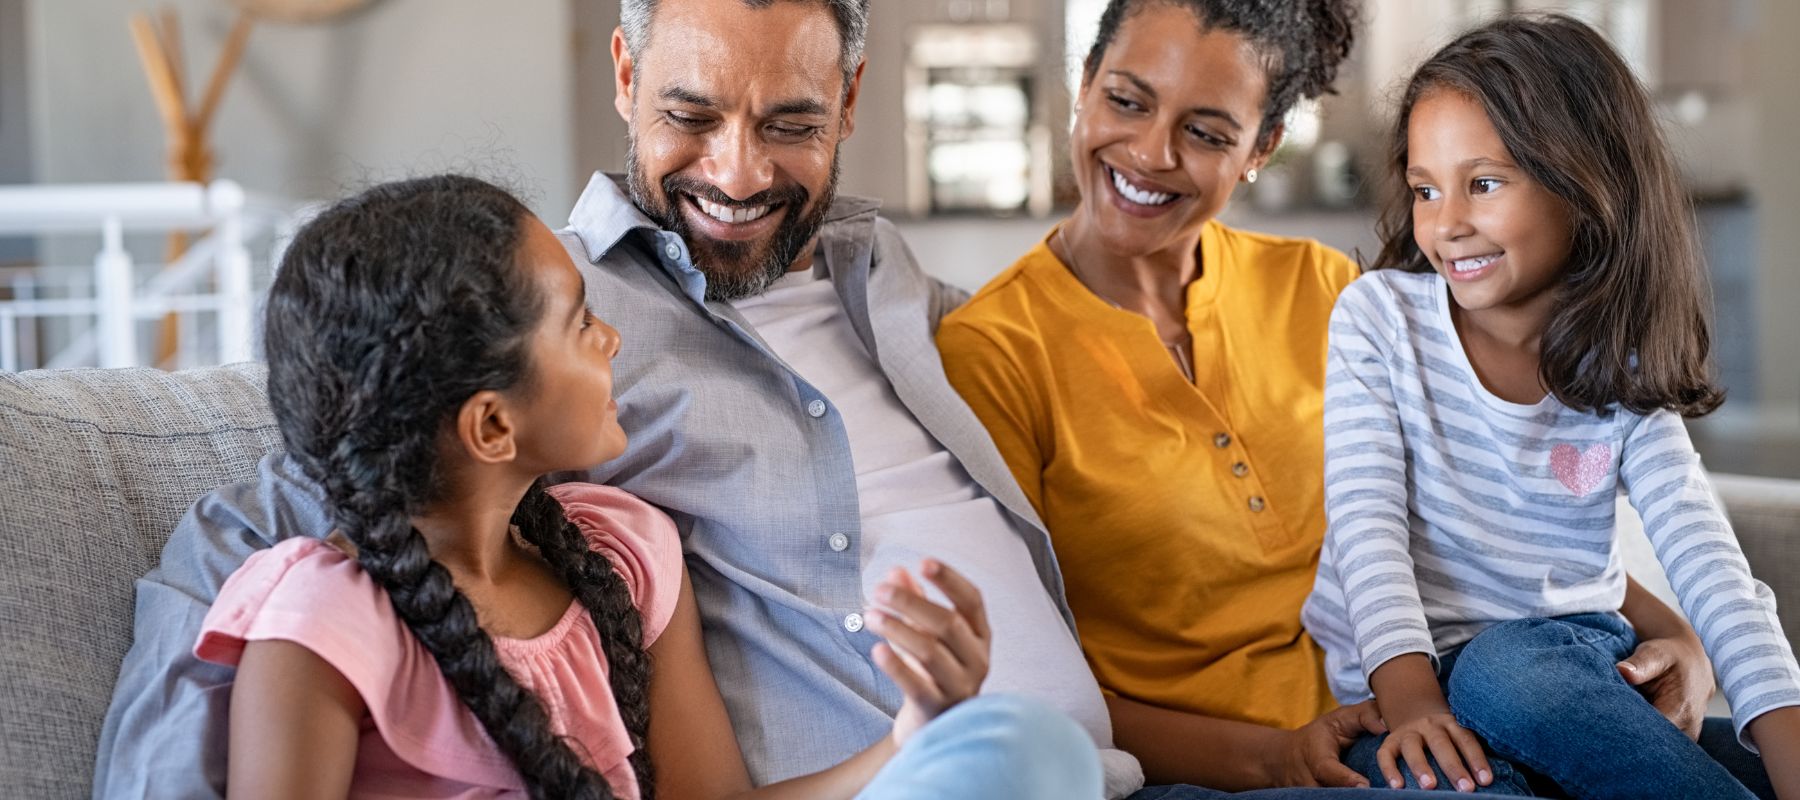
[917, 501]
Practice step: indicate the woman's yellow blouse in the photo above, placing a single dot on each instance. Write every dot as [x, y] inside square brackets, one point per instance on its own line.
[1187, 518]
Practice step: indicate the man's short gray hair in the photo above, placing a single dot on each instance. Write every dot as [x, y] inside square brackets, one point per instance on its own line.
[852, 18]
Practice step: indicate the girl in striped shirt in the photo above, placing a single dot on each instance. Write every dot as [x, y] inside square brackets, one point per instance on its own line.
[1529, 353]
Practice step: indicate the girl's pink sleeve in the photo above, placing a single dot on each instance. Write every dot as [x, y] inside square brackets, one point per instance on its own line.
[312, 594]
[640, 540]
[307, 592]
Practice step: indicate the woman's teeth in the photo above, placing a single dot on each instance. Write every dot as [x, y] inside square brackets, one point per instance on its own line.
[731, 214]
[1471, 264]
[1136, 195]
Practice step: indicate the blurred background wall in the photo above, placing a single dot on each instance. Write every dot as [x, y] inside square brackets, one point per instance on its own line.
[961, 129]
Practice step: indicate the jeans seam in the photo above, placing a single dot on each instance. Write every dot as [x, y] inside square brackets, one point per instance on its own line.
[1580, 791]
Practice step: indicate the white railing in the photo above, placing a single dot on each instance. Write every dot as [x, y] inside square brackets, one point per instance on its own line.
[114, 301]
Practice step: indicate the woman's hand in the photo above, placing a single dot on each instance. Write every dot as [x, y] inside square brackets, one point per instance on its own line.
[1313, 755]
[1674, 674]
[1451, 744]
[938, 656]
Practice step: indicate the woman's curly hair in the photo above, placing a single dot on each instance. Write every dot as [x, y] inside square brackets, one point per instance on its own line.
[1301, 43]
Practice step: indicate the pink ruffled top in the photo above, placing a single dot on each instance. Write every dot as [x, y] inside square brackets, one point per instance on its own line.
[418, 739]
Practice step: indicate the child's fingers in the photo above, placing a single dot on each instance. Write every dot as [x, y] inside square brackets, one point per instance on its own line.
[908, 603]
[904, 578]
[928, 655]
[1443, 748]
[1412, 749]
[1473, 754]
[962, 594]
[1384, 757]
[912, 684]
[947, 625]
[910, 641]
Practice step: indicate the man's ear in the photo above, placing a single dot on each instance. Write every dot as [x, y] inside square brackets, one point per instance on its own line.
[851, 92]
[623, 66]
[485, 430]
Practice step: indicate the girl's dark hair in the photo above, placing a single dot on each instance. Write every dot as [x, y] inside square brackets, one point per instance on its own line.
[390, 310]
[1630, 326]
[1301, 42]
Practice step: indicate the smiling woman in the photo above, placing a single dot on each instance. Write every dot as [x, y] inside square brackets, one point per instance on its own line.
[1155, 381]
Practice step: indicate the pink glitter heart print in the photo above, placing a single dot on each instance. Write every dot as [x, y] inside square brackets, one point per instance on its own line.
[1580, 471]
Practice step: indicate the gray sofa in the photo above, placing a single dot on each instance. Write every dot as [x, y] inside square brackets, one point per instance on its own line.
[96, 466]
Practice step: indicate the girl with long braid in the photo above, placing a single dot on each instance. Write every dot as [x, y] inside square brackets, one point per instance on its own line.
[466, 631]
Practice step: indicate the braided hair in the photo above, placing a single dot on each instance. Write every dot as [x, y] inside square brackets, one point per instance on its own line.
[390, 309]
[1301, 43]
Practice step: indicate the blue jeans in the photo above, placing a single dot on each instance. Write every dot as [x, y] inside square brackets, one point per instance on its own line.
[1197, 793]
[993, 746]
[1556, 718]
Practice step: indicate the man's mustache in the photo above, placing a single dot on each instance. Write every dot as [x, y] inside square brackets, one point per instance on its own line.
[774, 195]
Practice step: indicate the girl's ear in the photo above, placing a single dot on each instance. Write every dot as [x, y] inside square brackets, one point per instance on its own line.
[485, 428]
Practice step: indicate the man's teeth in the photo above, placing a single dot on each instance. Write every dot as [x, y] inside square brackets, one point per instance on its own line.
[1136, 195]
[1470, 264]
[735, 215]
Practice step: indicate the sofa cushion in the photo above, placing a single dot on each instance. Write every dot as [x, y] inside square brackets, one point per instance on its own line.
[96, 467]
[1765, 516]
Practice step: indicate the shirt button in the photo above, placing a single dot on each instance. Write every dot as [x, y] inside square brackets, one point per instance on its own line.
[853, 623]
[839, 542]
[1222, 441]
[816, 408]
[1240, 469]
[1257, 504]
[673, 251]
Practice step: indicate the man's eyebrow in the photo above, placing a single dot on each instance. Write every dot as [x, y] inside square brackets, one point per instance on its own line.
[805, 107]
[684, 95]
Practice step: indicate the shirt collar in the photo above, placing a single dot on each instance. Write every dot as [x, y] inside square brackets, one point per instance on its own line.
[605, 214]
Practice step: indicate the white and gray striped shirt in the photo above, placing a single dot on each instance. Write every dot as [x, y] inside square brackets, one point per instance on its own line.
[1450, 509]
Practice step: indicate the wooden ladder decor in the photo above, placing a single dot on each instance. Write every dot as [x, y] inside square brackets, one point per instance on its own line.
[190, 156]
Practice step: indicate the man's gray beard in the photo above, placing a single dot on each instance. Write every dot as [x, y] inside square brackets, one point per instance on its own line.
[745, 279]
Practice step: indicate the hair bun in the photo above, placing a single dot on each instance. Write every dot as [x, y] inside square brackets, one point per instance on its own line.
[1333, 25]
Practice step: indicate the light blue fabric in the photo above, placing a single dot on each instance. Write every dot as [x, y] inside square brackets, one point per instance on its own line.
[1186, 792]
[993, 746]
[721, 438]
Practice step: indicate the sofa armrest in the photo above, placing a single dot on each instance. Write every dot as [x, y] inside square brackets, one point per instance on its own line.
[1765, 514]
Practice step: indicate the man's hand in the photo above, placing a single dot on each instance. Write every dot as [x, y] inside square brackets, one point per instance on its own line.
[938, 656]
[1675, 676]
[1313, 754]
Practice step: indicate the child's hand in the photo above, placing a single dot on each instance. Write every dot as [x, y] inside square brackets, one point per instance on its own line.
[1451, 744]
[937, 655]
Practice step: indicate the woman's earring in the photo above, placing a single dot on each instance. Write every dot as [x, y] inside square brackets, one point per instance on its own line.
[1250, 177]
